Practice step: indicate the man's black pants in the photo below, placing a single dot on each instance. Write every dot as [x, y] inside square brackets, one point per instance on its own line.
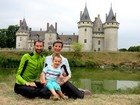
[31, 92]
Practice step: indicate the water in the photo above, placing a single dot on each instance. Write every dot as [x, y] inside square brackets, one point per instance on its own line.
[108, 84]
[105, 79]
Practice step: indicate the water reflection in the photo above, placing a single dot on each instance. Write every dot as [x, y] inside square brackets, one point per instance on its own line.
[107, 84]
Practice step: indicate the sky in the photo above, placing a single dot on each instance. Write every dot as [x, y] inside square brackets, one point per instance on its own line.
[66, 13]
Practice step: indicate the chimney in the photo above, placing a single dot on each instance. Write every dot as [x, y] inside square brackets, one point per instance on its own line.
[20, 22]
[106, 17]
[56, 27]
[30, 29]
[80, 15]
[47, 26]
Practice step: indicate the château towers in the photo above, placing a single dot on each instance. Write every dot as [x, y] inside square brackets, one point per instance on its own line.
[93, 35]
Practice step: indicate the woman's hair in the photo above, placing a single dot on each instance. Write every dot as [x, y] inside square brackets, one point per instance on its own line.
[58, 41]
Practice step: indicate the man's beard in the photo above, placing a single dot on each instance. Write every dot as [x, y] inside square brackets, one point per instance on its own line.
[39, 51]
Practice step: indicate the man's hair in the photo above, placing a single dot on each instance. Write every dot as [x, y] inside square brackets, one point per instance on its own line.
[58, 41]
[38, 40]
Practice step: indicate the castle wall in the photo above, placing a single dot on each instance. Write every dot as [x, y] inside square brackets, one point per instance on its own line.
[97, 42]
[85, 35]
[21, 40]
[49, 39]
[111, 37]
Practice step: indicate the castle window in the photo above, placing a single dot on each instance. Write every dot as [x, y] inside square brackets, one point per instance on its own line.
[85, 40]
[18, 44]
[50, 43]
[85, 29]
[98, 29]
[30, 45]
[98, 49]
[69, 40]
[20, 38]
[99, 42]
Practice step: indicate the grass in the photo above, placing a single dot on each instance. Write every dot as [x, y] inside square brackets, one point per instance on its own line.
[101, 97]
[8, 97]
[108, 57]
[98, 57]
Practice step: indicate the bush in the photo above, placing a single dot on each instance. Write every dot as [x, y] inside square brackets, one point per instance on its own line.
[8, 62]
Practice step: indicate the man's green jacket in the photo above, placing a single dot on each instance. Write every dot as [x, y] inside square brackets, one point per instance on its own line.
[35, 63]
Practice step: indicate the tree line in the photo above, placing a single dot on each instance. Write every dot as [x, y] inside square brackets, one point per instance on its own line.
[8, 37]
[131, 49]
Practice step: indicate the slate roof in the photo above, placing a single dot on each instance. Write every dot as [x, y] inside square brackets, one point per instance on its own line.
[111, 17]
[85, 16]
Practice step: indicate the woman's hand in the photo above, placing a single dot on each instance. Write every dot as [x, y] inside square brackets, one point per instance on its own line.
[61, 82]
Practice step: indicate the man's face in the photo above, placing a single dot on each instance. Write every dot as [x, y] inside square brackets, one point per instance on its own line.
[39, 47]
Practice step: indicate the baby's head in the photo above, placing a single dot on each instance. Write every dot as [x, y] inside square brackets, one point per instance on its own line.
[57, 60]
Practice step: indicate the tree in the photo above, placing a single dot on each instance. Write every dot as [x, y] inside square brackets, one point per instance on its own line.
[3, 38]
[11, 36]
[123, 49]
[77, 47]
[134, 48]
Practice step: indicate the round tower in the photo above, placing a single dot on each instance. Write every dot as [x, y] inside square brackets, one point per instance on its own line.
[22, 35]
[111, 32]
[85, 30]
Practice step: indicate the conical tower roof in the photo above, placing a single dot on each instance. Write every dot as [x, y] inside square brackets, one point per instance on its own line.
[23, 26]
[111, 17]
[85, 16]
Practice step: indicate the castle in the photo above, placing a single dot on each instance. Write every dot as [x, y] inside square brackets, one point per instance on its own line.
[94, 36]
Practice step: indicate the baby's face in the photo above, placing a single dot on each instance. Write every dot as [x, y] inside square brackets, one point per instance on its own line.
[57, 62]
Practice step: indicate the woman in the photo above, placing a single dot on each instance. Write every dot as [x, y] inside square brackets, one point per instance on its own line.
[67, 87]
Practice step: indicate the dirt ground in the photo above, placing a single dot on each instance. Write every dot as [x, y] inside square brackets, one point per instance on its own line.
[8, 97]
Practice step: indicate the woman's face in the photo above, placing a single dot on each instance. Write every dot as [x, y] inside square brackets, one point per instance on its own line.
[57, 48]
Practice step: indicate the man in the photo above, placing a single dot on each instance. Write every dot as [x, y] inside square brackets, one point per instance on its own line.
[28, 72]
